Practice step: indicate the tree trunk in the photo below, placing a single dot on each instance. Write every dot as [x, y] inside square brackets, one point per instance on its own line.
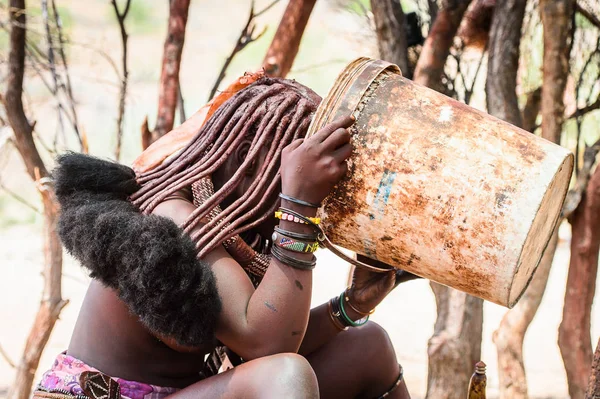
[503, 61]
[593, 390]
[168, 93]
[474, 30]
[50, 306]
[574, 337]
[510, 334]
[531, 109]
[502, 102]
[455, 346]
[284, 47]
[430, 65]
[52, 302]
[390, 26]
[556, 17]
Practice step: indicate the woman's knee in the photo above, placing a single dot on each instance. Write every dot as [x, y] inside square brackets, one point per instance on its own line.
[377, 339]
[291, 376]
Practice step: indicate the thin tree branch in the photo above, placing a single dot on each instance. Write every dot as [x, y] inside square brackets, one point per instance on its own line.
[580, 112]
[69, 89]
[588, 15]
[585, 110]
[318, 65]
[469, 91]
[181, 104]
[18, 198]
[435, 51]
[52, 67]
[7, 358]
[267, 8]
[575, 194]
[246, 37]
[124, 37]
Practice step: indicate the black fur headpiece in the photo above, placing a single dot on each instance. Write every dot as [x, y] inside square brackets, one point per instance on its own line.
[148, 260]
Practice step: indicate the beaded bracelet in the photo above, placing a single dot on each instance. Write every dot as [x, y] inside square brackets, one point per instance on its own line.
[290, 217]
[298, 236]
[347, 319]
[301, 264]
[291, 244]
[298, 201]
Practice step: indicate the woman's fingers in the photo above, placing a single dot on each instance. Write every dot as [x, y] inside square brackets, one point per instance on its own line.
[337, 139]
[326, 131]
[343, 152]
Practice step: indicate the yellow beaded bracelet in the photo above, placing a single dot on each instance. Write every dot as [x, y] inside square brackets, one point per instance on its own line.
[291, 218]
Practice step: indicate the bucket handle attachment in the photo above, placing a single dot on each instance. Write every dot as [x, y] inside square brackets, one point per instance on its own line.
[326, 242]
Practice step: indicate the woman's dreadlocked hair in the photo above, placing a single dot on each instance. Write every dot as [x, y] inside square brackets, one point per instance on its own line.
[274, 112]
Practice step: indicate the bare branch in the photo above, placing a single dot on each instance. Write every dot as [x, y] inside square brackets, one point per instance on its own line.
[585, 110]
[531, 109]
[436, 48]
[318, 65]
[581, 112]
[181, 104]
[588, 15]
[267, 8]
[469, 90]
[69, 89]
[246, 37]
[124, 37]
[7, 358]
[575, 194]
[52, 67]
[18, 198]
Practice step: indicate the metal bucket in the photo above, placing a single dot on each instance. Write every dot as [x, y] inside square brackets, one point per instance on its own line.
[440, 189]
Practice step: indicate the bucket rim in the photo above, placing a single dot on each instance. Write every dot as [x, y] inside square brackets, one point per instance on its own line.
[355, 78]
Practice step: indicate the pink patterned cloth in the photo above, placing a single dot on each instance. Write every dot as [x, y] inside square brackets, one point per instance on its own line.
[64, 376]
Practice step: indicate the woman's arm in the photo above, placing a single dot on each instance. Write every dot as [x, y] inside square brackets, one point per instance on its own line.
[273, 318]
[321, 329]
[254, 323]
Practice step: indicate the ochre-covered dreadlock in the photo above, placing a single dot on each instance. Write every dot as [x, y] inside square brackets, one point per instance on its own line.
[274, 112]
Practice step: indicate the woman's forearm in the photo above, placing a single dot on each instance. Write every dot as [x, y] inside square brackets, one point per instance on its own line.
[278, 310]
[321, 328]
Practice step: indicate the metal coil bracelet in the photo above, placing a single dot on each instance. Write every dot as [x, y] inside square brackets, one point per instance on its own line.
[301, 264]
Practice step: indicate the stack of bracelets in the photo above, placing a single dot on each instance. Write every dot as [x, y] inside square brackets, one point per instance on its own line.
[285, 242]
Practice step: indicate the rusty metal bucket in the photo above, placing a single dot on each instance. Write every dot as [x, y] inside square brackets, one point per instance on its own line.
[440, 189]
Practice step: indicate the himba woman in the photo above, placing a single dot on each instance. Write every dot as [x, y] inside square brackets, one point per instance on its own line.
[188, 259]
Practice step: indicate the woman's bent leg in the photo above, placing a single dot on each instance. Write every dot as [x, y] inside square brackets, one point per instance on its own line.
[279, 376]
[358, 363]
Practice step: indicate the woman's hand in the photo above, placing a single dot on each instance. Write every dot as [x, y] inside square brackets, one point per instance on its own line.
[311, 167]
[369, 288]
